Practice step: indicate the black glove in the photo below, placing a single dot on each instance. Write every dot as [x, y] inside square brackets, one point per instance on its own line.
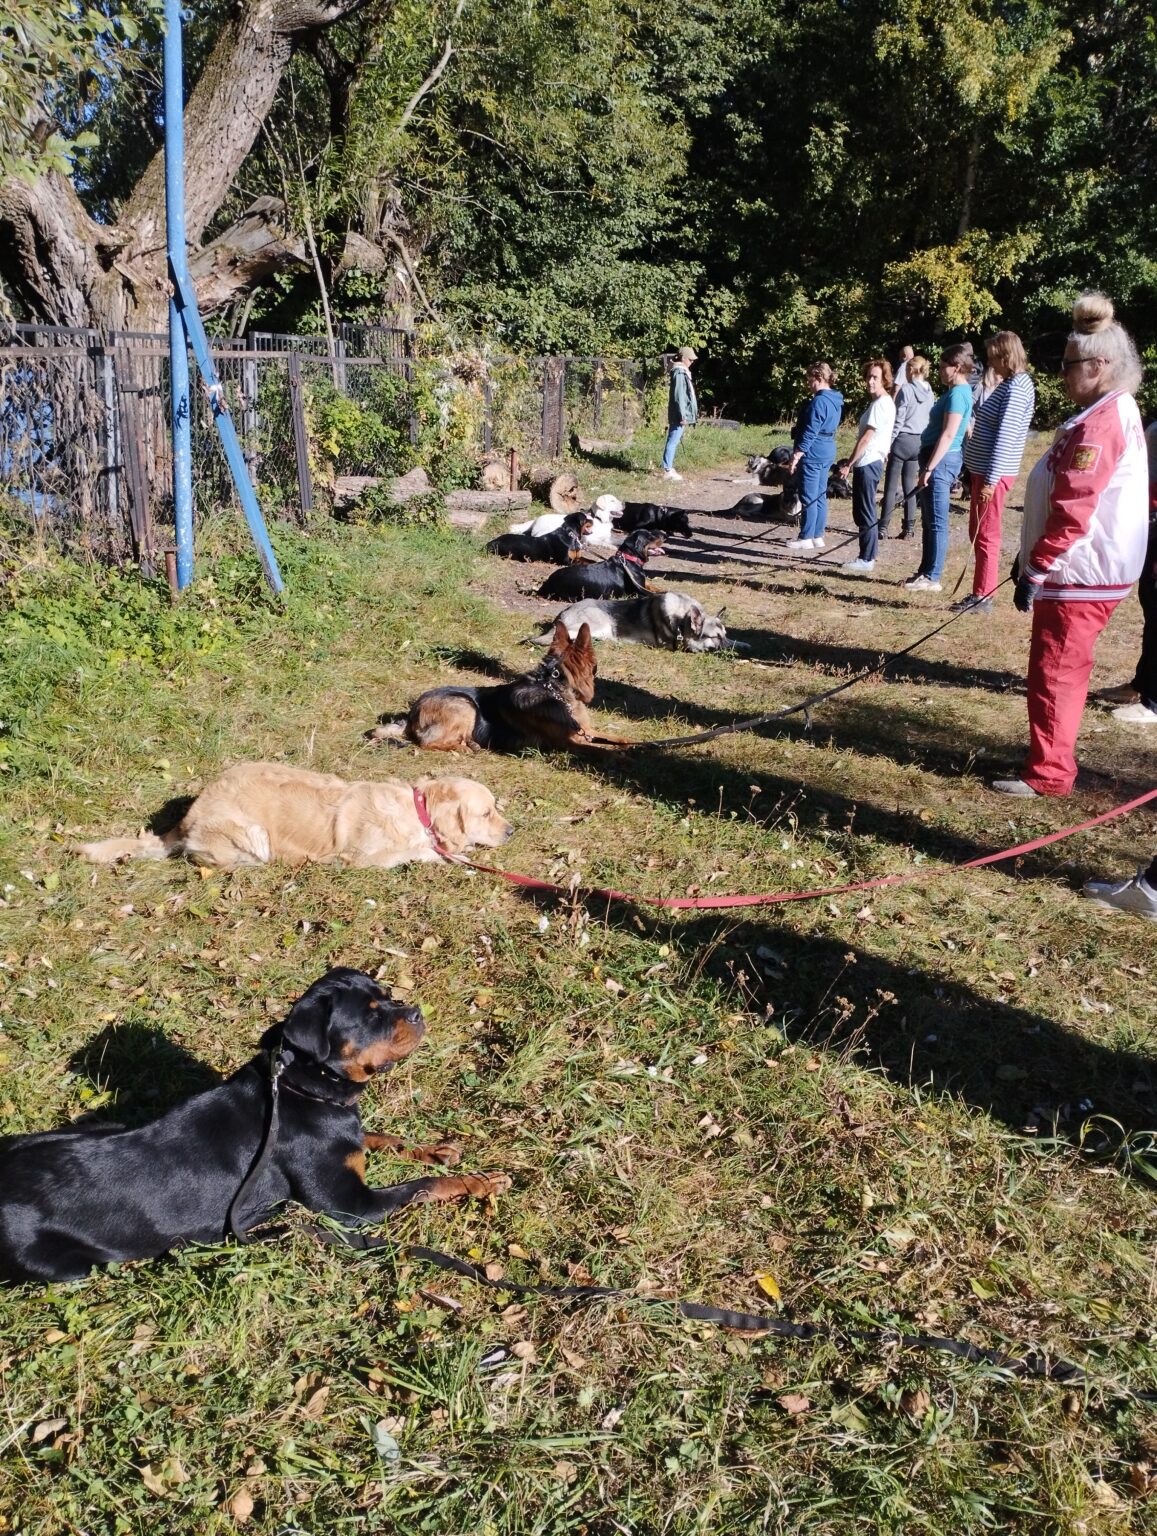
[1025, 594]
[1015, 572]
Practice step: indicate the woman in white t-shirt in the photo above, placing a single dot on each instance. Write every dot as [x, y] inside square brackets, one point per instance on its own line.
[866, 464]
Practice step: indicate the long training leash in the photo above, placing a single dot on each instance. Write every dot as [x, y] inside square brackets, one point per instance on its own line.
[1016, 1362]
[753, 722]
[775, 898]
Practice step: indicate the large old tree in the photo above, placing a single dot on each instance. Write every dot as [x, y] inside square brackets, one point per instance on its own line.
[63, 267]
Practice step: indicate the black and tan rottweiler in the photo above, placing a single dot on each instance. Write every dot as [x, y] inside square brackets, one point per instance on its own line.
[620, 576]
[545, 707]
[558, 548]
[71, 1199]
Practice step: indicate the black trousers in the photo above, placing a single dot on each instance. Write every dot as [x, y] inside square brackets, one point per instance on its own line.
[1145, 678]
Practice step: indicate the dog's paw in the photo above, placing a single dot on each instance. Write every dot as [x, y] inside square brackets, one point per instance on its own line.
[484, 1186]
[445, 1153]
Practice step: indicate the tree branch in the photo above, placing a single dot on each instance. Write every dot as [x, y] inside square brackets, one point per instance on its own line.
[433, 77]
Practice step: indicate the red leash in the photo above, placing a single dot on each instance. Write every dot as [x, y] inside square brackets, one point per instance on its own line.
[684, 903]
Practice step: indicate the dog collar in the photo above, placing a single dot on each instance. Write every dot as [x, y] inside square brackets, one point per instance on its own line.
[423, 814]
[634, 559]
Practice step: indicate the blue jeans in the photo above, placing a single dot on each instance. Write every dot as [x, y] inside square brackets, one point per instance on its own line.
[934, 512]
[813, 472]
[673, 436]
[865, 479]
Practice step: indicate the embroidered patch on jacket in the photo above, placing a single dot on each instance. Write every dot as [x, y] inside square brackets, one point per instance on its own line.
[1086, 458]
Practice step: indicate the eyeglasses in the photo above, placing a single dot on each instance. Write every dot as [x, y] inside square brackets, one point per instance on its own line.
[1071, 362]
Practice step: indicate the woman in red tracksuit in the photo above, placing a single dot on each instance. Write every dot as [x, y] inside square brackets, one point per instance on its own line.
[1086, 524]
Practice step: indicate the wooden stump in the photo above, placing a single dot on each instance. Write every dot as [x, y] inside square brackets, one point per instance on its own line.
[561, 491]
[495, 476]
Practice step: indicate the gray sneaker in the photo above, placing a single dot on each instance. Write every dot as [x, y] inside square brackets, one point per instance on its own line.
[1014, 787]
[1134, 895]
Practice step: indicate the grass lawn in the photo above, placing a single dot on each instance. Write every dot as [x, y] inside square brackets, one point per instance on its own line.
[931, 1106]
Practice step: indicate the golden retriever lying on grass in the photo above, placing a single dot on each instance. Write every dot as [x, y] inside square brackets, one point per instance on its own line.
[261, 813]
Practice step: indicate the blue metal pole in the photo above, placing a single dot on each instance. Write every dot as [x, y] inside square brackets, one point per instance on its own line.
[186, 300]
[174, 101]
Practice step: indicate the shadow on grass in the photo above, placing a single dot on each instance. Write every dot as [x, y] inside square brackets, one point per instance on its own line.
[681, 776]
[767, 645]
[144, 1072]
[922, 1031]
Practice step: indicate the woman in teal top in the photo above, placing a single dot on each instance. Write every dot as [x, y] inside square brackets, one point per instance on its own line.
[940, 458]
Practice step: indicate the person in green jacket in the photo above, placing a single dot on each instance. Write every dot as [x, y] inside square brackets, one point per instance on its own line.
[682, 410]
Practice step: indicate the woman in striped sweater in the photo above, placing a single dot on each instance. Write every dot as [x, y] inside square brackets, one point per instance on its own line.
[992, 456]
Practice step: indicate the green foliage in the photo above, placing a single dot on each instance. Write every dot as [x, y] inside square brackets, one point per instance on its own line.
[376, 505]
[955, 282]
[45, 50]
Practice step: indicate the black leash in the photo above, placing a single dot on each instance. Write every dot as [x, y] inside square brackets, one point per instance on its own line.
[753, 722]
[277, 1065]
[1028, 1363]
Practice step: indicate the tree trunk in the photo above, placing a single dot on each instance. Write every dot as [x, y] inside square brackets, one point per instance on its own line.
[968, 184]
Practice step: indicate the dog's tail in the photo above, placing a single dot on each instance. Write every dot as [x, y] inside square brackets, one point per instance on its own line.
[145, 846]
[544, 639]
[393, 731]
[522, 527]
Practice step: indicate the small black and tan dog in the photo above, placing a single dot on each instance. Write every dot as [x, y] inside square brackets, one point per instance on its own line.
[651, 514]
[620, 576]
[71, 1199]
[557, 548]
[545, 707]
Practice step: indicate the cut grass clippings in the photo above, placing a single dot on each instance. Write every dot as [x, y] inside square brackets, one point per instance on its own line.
[881, 1109]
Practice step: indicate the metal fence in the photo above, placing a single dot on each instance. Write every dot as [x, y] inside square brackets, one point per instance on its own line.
[85, 453]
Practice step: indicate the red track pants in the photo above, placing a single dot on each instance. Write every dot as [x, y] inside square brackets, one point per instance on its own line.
[1059, 663]
[984, 530]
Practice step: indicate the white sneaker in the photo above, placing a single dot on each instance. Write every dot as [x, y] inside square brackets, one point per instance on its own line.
[1136, 714]
[818, 544]
[672, 474]
[859, 565]
[1014, 787]
[800, 544]
[922, 584]
[1134, 895]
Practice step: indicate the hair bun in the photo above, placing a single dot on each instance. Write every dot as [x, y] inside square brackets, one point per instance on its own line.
[1091, 313]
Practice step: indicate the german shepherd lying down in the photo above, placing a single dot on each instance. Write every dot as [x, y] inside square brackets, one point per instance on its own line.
[545, 707]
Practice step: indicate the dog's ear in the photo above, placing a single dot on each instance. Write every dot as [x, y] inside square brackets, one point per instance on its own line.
[583, 641]
[721, 612]
[306, 1027]
[561, 639]
[697, 616]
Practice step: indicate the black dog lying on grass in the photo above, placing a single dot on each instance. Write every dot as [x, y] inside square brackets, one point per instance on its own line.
[650, 514]
[557, 548]
[70, 1199]
[620, 576]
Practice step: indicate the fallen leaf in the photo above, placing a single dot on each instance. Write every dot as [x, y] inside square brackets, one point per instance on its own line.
[794, 1404]
[612, 1418]
[447, 1303]
[517, 1251]
[575, 1361]
[314, 1407]
[769, 1285]
[565, 1471]
[915, 1403]
[241, 1506]
[524, 1350]
[55, 1336]
[494, 1271]
[385, 1445]
[48, 1427]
